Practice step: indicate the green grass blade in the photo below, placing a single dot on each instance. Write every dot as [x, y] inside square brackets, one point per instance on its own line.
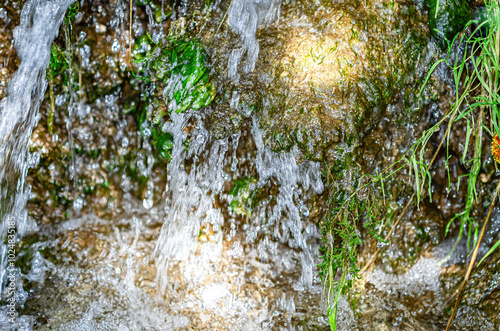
[492, 249]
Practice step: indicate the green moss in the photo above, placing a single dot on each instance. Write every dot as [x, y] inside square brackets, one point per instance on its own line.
[189, 85]
[58, 63]
[446, 19]
[244, 197]
[180, 72]
[182, 67]
[165, 144]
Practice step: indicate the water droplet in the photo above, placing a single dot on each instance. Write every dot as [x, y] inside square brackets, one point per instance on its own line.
[146, 132]
[304, 210]
[115, 47]
[147, 203]
[78, 204]
[125, 142]
[234, 165]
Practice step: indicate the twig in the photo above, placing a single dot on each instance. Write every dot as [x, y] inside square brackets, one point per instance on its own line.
[473, 259]
[130, 35]
[50, 117]
[221, 22]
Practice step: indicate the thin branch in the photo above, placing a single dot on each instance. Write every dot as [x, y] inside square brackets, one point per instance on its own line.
[473, 259]
[130, 35]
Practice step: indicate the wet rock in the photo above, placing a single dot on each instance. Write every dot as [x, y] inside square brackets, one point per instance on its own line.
[9, 18]
[482, 296]
[446, 19]
[325, 73]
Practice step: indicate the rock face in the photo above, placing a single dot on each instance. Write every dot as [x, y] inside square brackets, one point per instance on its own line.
[325, 73]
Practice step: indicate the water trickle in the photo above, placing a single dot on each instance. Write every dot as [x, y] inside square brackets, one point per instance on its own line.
[285, 220]
[39, 26]
[188, 197]
[245, 17]
[193, 216]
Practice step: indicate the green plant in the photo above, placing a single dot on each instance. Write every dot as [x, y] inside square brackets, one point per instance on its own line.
[180, 70]
[341, 236]
[476, 93]
[60, 65]
[244, 197]
[476, 78]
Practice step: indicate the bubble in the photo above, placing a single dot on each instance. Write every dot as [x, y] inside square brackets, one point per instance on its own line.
[304, 210]
[115, 47]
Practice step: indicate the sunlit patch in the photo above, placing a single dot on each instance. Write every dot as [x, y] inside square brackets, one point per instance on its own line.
[323, 59]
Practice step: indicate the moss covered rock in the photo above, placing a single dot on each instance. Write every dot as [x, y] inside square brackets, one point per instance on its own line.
[179, 74]
[325, 75]
[446, 19]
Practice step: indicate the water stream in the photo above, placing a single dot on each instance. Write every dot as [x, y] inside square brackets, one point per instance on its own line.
[39, 26]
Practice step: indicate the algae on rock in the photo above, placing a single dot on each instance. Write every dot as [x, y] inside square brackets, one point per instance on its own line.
[446, 19]
[325, 75]
[180, 76]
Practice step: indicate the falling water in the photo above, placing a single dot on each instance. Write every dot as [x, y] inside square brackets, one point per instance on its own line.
[40, 22]
[245, 17]
[191, 197]
[188, 202]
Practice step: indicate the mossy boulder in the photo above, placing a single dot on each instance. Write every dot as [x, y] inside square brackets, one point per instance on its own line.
[324, 87]
[446, 19]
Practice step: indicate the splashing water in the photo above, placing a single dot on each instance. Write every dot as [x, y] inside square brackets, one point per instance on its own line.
[190, 204]
[190, 207]
[286, 217]
[40, 22]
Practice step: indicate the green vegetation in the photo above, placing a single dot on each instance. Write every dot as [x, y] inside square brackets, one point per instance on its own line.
[476, 93]
[244, 197]
[476, 78]
[447, 18]
[72, 12]
[156, 7]
[180, 71]
[165, 144]
[184, 69]
[57, 67]
[341, 235]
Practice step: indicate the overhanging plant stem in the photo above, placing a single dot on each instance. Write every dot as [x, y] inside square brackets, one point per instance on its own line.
[473, 259]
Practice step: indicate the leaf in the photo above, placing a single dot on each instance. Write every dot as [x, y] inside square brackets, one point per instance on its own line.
[165, 145]
[492, 249]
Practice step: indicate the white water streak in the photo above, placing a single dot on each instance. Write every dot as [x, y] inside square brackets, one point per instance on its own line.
[245, 17]
[39, 26]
